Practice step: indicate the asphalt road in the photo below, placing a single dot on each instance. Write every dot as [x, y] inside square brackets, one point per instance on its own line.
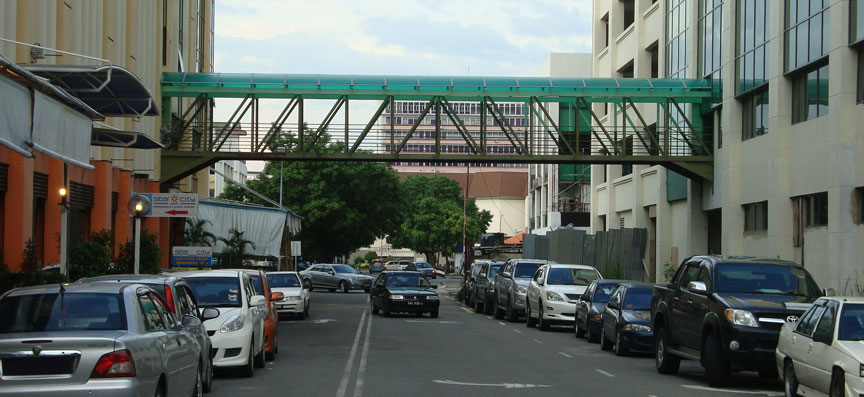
[342, 350]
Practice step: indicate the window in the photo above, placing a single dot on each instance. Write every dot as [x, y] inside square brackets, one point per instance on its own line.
[755, 114]
[808, 323]
[816, 209]
[629, 13]
[825, 328]
[626, 71]
[653, 50]
[153, 319]
[860, 92]
[859, 210]
[676, 38]
[806, 36]
[752, 53]
[856, 21]
[810, 93]
[756, 217]
[604, 24]
[710, 44]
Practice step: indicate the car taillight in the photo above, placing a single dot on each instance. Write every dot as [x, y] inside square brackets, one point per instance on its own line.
[169, 298]
[117, 364]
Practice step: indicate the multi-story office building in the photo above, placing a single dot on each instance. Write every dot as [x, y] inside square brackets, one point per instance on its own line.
[226, 172]
[144, 37]
[784, 128]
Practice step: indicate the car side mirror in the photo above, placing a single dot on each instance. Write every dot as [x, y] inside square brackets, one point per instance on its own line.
[433, 286]
[697, 287]
[190, 321]
[829, 292]
[330, 272]
[276, 296]
[612, 305]
[257, 300]
[209, 314]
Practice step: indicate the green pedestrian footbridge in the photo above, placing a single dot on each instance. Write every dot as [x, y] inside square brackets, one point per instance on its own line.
[451, 120]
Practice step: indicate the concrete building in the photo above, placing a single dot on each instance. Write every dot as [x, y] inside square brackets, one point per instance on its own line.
[145, 38]
[225, 171]
[560, 194]
[785, 127]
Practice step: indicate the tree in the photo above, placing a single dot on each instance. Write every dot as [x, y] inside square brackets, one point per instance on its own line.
[151, 255]
[370, 255]
[195, 235]
[235, 248]
[345, 205]
[433, 219]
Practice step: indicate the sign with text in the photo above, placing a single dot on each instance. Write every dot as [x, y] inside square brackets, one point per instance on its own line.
[172, 205]
[295, 248]
[191, 257]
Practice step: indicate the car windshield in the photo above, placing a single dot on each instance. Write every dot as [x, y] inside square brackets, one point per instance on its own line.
[852, 322]
[216, 291]
[62, 312]
[765, 279]
[257, 284]
[603, 293]
[569, 276]
[493, 270]
[525, 270]
[637, 300]
[344, 269]
[422, 265]
[283, 280]
[407, 280]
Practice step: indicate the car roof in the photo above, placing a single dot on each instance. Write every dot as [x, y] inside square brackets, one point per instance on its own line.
[104, 288]
[637, 284]
[142, 278]
[251, 272]
[569, 266]
[605, 281]
[282, 272]
[401, 272]
[844, 299]
[210, 273]
[525, 260]
[716, 259]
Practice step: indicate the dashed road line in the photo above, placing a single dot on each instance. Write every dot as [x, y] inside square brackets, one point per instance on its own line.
[538, 341]
[517, 331]
[467, 310]
[502, 323]
[604, 373]
[346, 374]
[565, 354]
[706, 388]
[361, 369]
[490, 317]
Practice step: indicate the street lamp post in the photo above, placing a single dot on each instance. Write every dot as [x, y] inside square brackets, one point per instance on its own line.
[139, 206]
[64, 233]
[281, 149]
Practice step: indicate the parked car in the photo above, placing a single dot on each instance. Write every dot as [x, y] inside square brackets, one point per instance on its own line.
[296, 297]
[823, 351]
[590, 306]
[238, 333]
[271, 315]
[303, 265]
[396, 265]
[426, 269]
[626, 320]
[483, 292]
[96, 338]
[404, 292]
[471, 279]
[181, 302]
[376, 266]
[331, 277]
[553, 291]
[511, 284]
[726, 312]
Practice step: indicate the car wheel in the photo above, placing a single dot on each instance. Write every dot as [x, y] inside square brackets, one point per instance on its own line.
[386, 310]
[838, 384]
[198, 391]
[343, 285]
[529, 321]
[620, 349]
[434, 314]
[666, 362]
[605, 344]
[306, 310]
[160, 390]
[541, 323]
[511, 314]
[591, 336]
[716, 368]
[249, 369]
[580, 333]
[790, 380]
[259, 358]
[499, 312]
[208, 380]
[272, 355]
[488, 307]
[374, 309]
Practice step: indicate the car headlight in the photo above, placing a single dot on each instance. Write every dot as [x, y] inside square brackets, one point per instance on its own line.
[292, 298]
[637, 327]
[741, 317]
[233, 324]
[432, 297]
[520, 289]
[554, 296]
[396, 297]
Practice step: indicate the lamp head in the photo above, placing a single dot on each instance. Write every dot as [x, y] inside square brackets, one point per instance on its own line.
[62, 192]
[139, 206]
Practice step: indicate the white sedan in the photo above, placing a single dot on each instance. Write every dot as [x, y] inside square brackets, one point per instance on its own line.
[553, 292]
[296, 295]
[823, 352]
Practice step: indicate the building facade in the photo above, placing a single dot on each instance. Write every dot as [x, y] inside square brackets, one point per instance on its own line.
[144, 37]
[784, 97]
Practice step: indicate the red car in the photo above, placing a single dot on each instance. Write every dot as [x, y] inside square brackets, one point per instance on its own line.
[271, 322]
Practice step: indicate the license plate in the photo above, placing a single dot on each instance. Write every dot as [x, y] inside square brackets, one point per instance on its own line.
[415, 303]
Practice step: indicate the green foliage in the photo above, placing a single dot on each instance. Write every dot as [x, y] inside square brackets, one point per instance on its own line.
[358, 260]
[91, 258]
[29, 261]
[433, 218]
[345, 205]
[668, 271]
[370, 255]
[614, 273]
[10, 280]
[195, 235]
[235, 249]
[151, 255]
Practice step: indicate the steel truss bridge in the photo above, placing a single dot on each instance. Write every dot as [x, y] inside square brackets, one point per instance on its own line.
[651, 121]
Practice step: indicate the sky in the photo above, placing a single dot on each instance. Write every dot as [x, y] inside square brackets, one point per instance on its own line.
[407, 37]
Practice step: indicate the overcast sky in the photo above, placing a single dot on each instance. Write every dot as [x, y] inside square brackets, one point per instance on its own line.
[405, 37]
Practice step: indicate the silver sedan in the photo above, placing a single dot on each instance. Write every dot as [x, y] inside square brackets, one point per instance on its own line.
[95, 339]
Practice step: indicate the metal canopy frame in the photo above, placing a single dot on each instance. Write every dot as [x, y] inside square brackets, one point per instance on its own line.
[676, 141]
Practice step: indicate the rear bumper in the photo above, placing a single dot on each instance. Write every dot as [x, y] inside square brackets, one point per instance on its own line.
[419, 306]
[94, 387]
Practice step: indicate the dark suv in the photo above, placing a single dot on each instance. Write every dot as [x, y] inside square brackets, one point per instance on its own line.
[726, 312]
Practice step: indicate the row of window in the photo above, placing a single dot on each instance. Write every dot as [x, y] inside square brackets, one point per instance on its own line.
[472, 121]
[412, 148]
[449, 164]
[493, 135]
[472, 108]
[815, 212]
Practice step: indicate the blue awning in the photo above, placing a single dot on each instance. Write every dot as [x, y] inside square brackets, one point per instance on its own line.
[110, 90]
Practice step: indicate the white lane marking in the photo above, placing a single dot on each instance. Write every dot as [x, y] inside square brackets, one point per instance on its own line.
[502, 323]
[604, 373]
[565, 354]
[433, 322]
[467, 310]
[343, 384]
[517, 331]
[504, 385]
[706, 388]
[361, 369]
[324, 321]
[538, 341]
[489, 317]
[652, 395]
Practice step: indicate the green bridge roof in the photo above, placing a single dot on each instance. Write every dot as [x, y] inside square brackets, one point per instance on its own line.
[418, 87]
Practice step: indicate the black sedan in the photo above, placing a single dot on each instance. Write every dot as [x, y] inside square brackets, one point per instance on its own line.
[590, 306]
[404, 292]
[627, 319]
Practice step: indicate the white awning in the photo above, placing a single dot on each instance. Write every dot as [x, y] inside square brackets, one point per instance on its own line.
[60, 131]
[15, 116]
[261, 225]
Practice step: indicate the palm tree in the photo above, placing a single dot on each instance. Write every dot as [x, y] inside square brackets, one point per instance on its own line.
[235, 248]
[195, 235]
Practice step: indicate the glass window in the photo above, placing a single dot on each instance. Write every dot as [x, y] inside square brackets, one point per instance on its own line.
[569, 276]
[765, 279]
[860, 91]
[808, 323]
[525, 270]
[816, 208]
[810, 93]
[493, 270]
[676, 38]
[856, 21]
[283, 280]
[710, 43]
[153, 319]
[825, 328]
[637, 299]
[806, 39]
[215, 291]
[257, 285]
[66, 312]
[756, 217]
[402, 280]
[755, 114]
[851, 322]
[752, 54]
